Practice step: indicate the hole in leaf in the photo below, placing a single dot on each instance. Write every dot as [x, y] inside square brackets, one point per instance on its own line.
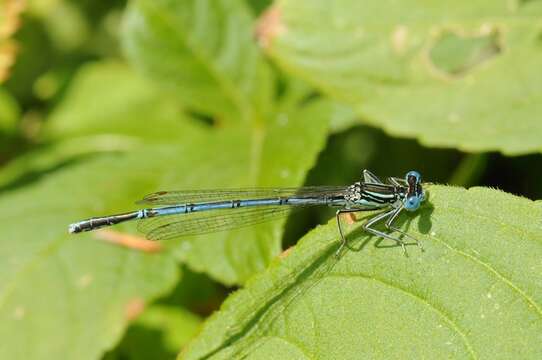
[457, 54]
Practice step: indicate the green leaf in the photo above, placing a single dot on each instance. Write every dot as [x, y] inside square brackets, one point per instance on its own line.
[466, 76]
[261, 157]
[9, 112]
[109, 106]
[476, 291]
[71, 296]
[205, 51]
[107, 109]
[69, 293]
[470, 170]
[100, 116]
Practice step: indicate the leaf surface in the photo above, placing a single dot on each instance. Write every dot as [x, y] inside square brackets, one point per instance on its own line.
[205, 51]
[107, 162]
[476, 291]
[465, 76]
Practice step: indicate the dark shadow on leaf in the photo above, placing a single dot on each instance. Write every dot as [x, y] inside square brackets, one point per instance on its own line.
[141, 342]
[356, 240]
[425, 224]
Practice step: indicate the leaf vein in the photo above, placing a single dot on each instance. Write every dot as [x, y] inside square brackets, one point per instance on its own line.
[415, 296]
[498, 275]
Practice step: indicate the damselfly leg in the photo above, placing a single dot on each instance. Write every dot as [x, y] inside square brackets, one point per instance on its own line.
[389, 225]
[390, 215]
[341, 233]
[368, 227]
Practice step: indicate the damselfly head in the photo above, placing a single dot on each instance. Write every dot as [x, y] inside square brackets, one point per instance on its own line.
[415, 194]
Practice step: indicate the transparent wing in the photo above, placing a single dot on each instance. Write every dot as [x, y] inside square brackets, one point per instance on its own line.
[173, 226]
[196, 196]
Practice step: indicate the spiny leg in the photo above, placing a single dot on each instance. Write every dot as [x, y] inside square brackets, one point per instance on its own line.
[343, 238]
[389, 225]
[379, 217]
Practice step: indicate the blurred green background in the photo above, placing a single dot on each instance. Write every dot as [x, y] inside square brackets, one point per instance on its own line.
[102, 102]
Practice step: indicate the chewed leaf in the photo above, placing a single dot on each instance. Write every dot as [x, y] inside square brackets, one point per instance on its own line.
[466, 76]
[456, 54]
[475, 292]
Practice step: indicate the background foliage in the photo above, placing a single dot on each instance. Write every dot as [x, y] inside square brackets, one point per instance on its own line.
[102, 102]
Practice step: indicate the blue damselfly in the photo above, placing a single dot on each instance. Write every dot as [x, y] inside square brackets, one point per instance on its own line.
[184, 213]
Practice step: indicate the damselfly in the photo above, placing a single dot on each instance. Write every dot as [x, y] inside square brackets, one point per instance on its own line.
[183, 213]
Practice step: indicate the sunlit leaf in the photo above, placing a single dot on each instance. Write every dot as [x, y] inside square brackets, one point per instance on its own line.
[120, 161]
[465, 76]
[476, 291]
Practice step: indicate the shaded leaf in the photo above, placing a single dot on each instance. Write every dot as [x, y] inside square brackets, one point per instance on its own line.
[9, 112]
[476, 291]
[158, 333]
[465, 76]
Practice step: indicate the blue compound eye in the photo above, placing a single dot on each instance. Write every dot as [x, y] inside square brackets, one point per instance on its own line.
[412, 203]
[416, 175]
